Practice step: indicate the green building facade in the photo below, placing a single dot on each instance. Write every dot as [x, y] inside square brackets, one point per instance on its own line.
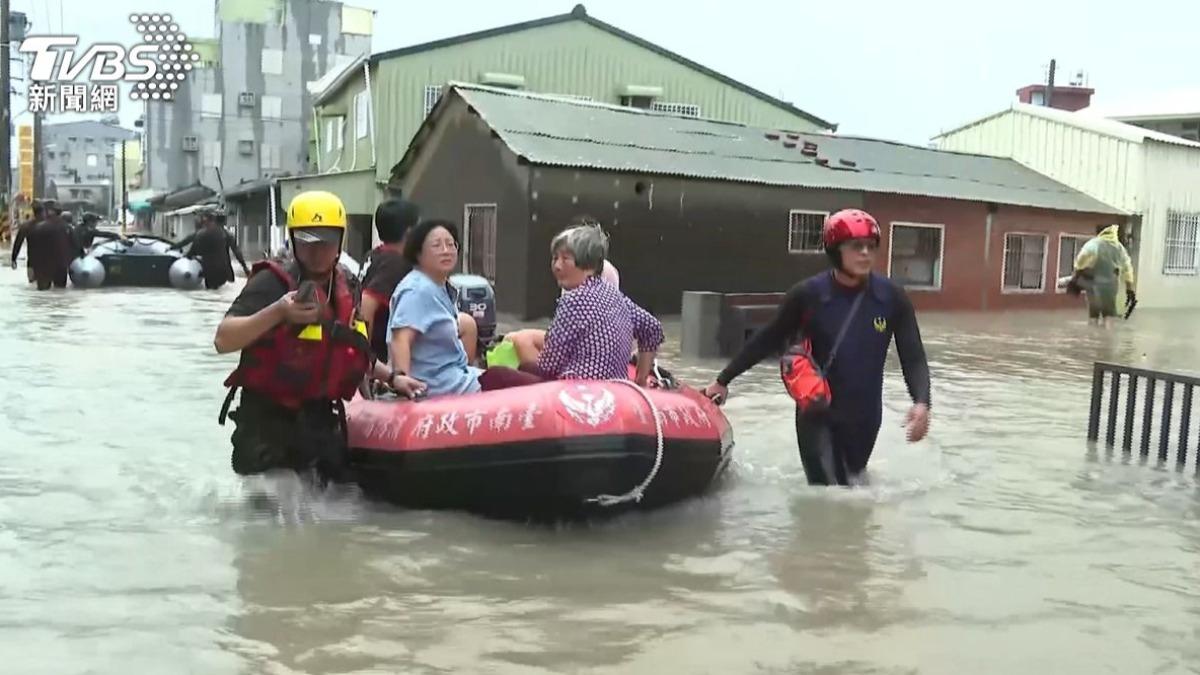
[367, 115]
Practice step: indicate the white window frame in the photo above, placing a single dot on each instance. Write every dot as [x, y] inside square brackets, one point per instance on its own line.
[940, 269]
[466, 235]
[210, 101]
[272, 61]
[362, 115]
[275, 102]
[1169, 243]
[1058, 273]
[211, 153]
[1004, 258]
[803, 251]
[335, 130]
[269, 157]
[674, 108]
[432, 94]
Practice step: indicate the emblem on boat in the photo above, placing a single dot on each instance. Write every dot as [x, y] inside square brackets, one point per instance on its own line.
[589, 408]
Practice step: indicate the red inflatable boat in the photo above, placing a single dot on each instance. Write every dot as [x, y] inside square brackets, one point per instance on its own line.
[557, 449]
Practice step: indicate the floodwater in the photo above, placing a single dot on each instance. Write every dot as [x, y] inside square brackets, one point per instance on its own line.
[999, 545]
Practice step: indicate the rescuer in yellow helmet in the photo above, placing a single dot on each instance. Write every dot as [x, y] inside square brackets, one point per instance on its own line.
[303, 349]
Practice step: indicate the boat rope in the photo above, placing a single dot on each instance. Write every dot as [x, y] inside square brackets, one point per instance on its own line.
[635, 495]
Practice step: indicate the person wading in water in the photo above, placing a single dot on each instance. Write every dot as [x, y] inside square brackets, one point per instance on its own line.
[852, 314]
[1102, 264]
[304, 350]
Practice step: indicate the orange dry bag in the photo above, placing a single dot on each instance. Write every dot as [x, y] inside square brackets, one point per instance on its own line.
[804, 378]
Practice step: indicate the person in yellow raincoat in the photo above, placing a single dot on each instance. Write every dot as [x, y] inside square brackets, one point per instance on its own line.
[1104, 263]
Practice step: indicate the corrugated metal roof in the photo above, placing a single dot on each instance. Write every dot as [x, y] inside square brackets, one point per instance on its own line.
[1179, 103]
[558, 132]
[1085, 120]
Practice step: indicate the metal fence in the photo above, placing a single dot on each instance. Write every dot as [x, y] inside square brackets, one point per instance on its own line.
[1174, 421]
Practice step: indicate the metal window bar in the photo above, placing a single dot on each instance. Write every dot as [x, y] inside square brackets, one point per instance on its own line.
[433, 93]
[1182, 243]
[1171, 423]
[805, 231]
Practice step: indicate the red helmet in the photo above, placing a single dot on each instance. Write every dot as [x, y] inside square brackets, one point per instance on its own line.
[849, 224]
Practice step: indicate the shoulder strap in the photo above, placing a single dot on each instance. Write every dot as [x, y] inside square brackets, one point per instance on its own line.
[278, 270]
[846, 325]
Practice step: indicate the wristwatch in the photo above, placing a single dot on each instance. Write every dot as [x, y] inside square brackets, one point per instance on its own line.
[395, 372]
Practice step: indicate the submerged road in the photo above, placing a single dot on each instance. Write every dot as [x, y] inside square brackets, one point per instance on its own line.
[999, 545]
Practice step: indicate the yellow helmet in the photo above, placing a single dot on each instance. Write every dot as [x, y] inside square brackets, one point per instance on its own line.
[316, 215]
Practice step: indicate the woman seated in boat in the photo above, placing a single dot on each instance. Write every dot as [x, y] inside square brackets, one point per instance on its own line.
[595, 324]
[427, 355]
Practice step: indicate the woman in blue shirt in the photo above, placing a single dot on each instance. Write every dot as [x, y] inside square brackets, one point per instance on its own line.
[427, 355]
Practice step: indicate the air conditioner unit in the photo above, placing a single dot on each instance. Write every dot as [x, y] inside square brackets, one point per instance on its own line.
[246, 99]
[191, 144]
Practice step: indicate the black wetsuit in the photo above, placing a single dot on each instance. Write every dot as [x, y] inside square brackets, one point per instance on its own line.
[51, 249]
[85, 236]
[385, 268]
[212, 245]
[20, 240]
[835, 446]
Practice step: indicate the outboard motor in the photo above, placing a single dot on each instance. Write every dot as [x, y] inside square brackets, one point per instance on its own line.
[476, 297]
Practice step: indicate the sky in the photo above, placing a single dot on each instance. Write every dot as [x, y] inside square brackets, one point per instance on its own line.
[897, 70]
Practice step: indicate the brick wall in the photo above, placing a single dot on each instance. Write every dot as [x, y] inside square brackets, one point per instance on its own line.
[971, 272]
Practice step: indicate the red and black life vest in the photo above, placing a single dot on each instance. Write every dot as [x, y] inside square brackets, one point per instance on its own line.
[292, 364]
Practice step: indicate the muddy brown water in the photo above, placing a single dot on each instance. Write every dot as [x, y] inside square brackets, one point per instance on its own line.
[1002, 544]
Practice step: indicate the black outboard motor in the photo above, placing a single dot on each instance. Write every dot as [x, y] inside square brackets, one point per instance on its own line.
[476, 297]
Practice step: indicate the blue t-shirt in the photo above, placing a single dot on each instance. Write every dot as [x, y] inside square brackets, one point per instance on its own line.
[438, 357]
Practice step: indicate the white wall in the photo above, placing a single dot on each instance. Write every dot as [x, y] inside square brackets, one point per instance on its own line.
[1106, 168]
[1172, 180]
[1143, 177]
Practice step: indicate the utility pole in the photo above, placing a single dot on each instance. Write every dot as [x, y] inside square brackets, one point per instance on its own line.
[39, 169]
[5, 108]
[1050, 85]
[124, 187]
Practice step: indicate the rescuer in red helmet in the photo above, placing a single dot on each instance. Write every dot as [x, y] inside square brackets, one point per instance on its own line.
[844, 320]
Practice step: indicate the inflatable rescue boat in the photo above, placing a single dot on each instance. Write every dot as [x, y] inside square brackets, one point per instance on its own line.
[146, 261]
[564, 449]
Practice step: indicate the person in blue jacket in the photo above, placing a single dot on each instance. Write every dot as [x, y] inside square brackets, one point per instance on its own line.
[836, 444]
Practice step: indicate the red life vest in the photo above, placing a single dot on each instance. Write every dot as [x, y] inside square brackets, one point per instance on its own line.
[324, 361]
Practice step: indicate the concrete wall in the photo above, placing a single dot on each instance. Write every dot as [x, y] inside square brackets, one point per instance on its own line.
[249, 218]
[467, 165]
[670, 235]
[268, 49]
[71, 143]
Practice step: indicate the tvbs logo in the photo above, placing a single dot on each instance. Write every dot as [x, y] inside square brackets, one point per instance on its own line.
[157, 66]
[108, 62]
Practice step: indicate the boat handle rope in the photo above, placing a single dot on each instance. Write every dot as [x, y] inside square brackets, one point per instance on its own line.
[636, 494]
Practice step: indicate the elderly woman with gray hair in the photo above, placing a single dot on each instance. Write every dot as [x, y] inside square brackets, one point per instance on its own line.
[595, 324]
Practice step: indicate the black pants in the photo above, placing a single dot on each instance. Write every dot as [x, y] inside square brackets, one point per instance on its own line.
[269, 436]
[834, 453]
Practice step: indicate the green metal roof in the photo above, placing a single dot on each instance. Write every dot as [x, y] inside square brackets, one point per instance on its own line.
[561, 132]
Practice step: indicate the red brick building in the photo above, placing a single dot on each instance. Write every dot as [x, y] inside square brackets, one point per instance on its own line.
[993, 257]
[701, 205]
